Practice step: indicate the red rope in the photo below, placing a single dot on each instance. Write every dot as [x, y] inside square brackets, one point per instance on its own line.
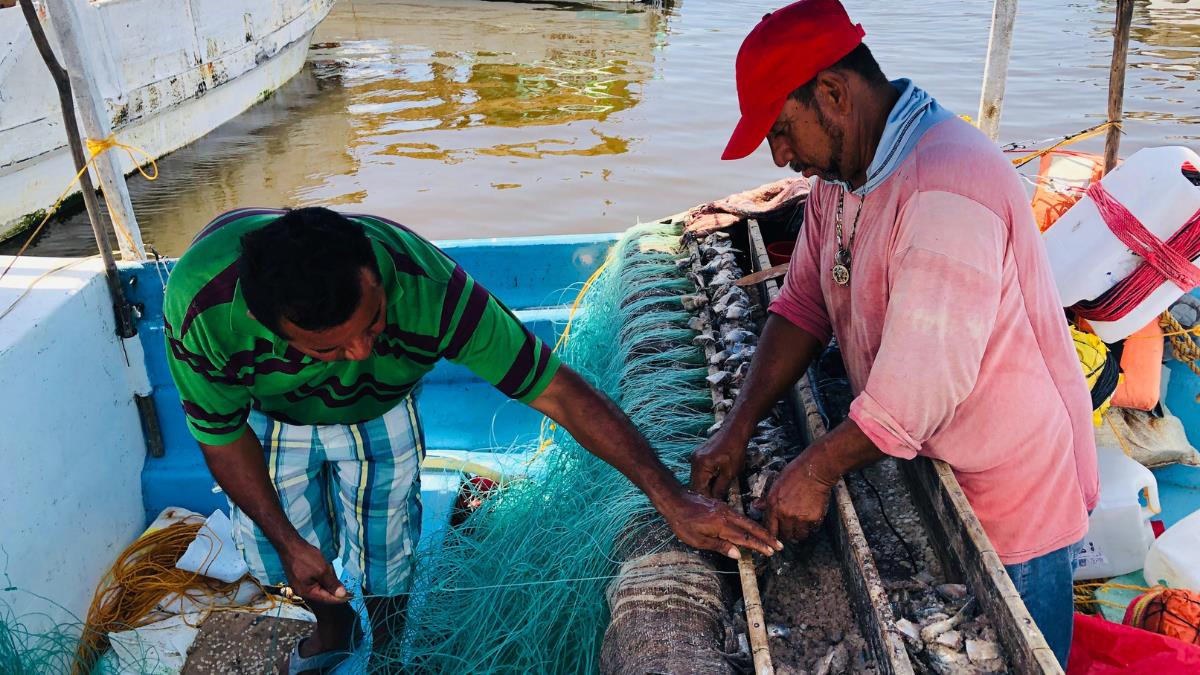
[1171, 261]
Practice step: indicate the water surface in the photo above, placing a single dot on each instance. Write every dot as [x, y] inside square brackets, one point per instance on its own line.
[469, 118]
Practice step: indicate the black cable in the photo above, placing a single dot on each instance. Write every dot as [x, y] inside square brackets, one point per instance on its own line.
[912, 558]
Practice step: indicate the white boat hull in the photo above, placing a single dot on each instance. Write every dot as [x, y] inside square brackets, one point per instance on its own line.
[170, 72]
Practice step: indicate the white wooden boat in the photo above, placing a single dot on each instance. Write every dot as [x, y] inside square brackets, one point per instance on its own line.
[169, 72]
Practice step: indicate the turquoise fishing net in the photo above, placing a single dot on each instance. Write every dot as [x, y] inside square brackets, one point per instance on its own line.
[520, 586]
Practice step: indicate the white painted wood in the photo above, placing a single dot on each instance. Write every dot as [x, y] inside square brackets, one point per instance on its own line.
[71, 440]
[81, 57]
[168, 71]
[995, 71]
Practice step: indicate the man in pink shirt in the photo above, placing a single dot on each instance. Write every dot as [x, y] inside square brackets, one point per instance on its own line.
[920, 255]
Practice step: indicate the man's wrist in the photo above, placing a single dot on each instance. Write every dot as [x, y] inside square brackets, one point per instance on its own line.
[288, 543]
[666, 494]
[821, 465]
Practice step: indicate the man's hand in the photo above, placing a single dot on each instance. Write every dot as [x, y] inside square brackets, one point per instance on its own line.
[797, 501]
[716, 464]
[310, 575]
[710, 524]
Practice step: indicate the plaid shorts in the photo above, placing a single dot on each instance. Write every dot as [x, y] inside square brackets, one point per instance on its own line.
[352, 491]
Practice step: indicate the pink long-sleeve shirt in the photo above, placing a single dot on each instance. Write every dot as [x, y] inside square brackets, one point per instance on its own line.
[953, 336]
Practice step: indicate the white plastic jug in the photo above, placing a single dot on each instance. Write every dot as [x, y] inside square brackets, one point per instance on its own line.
[1119, 531]
[1088, 259]
[1175, 556]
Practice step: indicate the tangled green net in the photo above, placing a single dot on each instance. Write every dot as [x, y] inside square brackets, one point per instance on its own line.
[519, 587]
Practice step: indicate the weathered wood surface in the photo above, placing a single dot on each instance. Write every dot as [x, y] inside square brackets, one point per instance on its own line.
[1116, 81]
[957, 532]
[867, 594]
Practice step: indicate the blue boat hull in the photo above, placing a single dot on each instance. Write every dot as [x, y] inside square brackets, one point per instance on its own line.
[464, 417]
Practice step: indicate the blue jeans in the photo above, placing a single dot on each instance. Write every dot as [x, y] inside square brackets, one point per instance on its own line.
[1045, 585]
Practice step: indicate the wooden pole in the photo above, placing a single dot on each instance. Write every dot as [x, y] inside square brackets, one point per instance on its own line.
[1116, 82]
[995, 71]
[756, 622]
[63, 82]
[126, 328]
[72, 39]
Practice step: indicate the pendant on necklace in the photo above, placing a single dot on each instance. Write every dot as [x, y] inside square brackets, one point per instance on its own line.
[841, 268]
[841, 274]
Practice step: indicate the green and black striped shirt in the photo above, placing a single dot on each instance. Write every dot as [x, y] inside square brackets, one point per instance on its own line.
[225, 363]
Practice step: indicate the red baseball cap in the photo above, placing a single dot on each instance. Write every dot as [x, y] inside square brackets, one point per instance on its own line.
[785, 50]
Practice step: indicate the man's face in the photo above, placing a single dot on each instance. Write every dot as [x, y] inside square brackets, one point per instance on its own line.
[354, 339]
[807, 141]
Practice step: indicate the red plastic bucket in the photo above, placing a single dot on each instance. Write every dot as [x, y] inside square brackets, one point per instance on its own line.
[779, 252]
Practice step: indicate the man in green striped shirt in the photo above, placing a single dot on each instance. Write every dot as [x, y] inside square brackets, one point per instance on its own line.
[296, 339]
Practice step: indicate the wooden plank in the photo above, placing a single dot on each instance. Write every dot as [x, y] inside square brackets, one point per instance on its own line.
[1116, 81]
[866, 590]
[756, 622]
[955, 529]
[995, 70]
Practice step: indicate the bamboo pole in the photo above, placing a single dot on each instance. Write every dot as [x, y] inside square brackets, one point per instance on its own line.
[756, 621]
[68, 25]
[1116, 82]
[995, 71]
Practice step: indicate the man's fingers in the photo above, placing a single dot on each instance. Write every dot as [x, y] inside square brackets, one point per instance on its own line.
[772, 522]
[746, 532]
[717, 545]
[331, 585]
[720, 484]
[318, 594]
[701, 477]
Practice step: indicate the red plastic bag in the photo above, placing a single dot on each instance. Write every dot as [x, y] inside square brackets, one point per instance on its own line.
[1100, 647]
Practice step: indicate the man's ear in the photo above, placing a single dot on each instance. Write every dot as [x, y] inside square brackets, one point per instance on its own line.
[832, 92]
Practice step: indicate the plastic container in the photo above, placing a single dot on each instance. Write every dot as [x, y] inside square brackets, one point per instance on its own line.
[1175, 556]
[779, 252]
[1119, 532]
[1088, 259]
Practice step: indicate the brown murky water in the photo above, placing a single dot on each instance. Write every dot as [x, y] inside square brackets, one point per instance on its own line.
[469, 118]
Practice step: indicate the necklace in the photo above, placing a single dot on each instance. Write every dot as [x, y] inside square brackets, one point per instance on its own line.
[841, 260]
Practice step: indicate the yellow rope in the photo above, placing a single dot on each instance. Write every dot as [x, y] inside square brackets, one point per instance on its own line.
[95, 149]
[141, 578]
[1065, 140]
[544, 441]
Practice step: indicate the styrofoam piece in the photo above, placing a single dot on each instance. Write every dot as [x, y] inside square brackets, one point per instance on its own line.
[213, 553]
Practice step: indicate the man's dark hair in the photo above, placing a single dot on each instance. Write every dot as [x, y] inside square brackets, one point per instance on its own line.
[859, 60]
[305, 266]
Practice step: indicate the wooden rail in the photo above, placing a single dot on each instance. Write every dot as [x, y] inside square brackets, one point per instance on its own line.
[865, 588]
